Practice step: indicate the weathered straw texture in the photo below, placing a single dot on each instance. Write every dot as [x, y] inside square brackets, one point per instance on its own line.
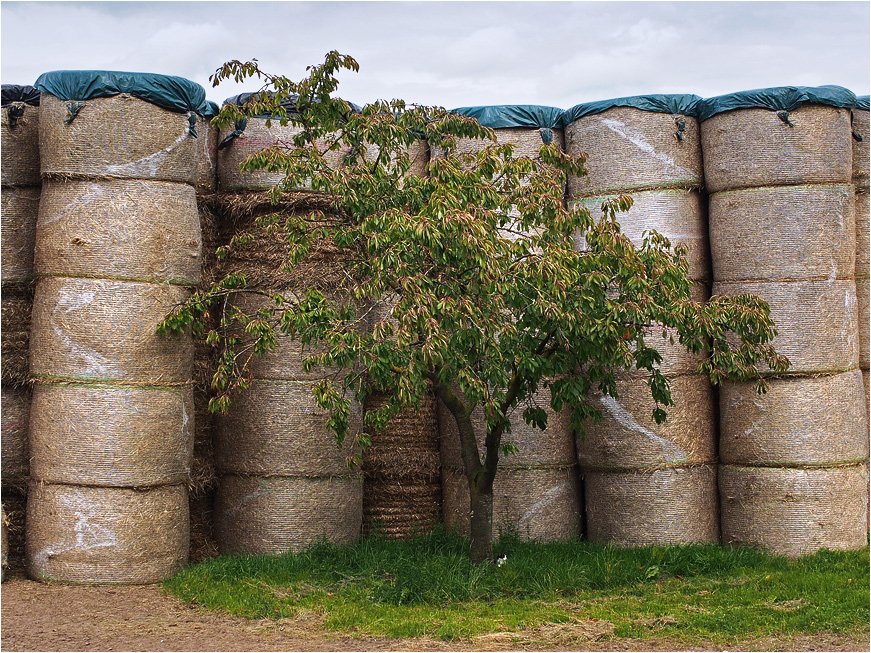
[628, 438]
[19, 149]
[418, 154]
[15, 507]
[783, 233]
[408, 448]
[861, 149]
[272, 515]
[630, 150]
[20, 208]
[795, 512]
[210, 233]
[125, 229]
[116, 137]
[863, 233]
[276, 428]
[111, 437]
[87, 329]
[864, 303]
[866, 381]
[538, 503]
[14, 419]
[207, 155]
[807, 420]
[4, 544]
[527, 142]
[202, 540]
[816, 321]
[661, 507]
[400, 509]
[106, 535]
[15, 309]
[748, 148]
[679, 215]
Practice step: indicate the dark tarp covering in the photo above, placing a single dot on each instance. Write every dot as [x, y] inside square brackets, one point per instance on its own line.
[289, 103]
[212, 109]
[166, 91]
[779, 98]
[15, 93]
[504, 116]
[863, 102]
[677, 104]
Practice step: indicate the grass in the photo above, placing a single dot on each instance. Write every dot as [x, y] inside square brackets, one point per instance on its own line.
[427, 587]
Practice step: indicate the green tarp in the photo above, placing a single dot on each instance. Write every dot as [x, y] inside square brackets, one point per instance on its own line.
[779, 98]
[863, 102]
[503, 116]
[675, 104]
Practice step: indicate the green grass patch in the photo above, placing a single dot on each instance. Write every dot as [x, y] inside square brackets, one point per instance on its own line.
[428, 587]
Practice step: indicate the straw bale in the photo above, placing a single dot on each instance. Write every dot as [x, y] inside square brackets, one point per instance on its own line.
[260, 515]
[629, 150]
[15, 507]
[19, 148]
[861, 148]
[400, 509]
[748, 148]
[801, 420]
[662, 507]
[795, 512]
[94, 535]
[130, 229]
[816, 321]
[864, 303]
[863, 233]
[628, 438]
[679, 215]
[553, 446]
[14, 419]
[276, 428]
[202, 473]
[20, 208]
[15, 314]
[202, 540]
[407, 450]
[116, 137]
[210, 233]
[537, 503]
[111, 437]
[93, 329]
[866, 381]
[783, 233]
[207, 153]
[418, 154]
[526, 141]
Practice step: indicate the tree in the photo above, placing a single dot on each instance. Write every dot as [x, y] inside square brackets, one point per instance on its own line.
[487, 297]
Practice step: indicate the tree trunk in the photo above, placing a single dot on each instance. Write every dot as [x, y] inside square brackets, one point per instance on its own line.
[481, 518]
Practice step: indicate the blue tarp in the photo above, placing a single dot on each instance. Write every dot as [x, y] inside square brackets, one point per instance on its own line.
[779, 98]
[863, 102]
[504, 116]
[676, 104]
[15, 93]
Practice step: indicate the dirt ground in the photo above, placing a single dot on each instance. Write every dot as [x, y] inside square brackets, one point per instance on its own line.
[42, 617]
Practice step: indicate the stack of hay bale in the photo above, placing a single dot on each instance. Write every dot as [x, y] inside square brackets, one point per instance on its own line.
[535, 492]
[778, 161]
[861, 148]
[118, 245]
[20, 196]
[646, 483]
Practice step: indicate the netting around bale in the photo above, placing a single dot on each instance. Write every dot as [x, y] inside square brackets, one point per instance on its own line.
[864, 303]
[94, 329]
[106, 535]
[679, 215]
[111, 437]
[20, 208]
[748, 148]
[15, 318]
[276, 428]
[861, 149]
[783, 233]
[807, 420]
[19, 148]
[116, 137]
[657, 507]
[260, 515]
[816, 321]
[540, 504]
[207, 155]
[796, 511]
[863, 233]
[628, 438]
[630, 150]
[14, 419]
[125, 229]
[400, 508]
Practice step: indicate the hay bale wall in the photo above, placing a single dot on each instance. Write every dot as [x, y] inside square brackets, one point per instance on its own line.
[861, 149]
[20, 208]
[19, 155]
[207, 153]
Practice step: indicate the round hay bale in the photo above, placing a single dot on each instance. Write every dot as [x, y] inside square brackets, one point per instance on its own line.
[748, 148]
[783, 233]
[400, 509]
[207, 155]
[136, 437]
[125, 229]
[418, 154]
[863, 233]
[276, 428]
[628, 438]
[866, 381]
[15, 318]
[19, 148]
[802, 420]
[861, 148]
[816, 321]
[20, 208]
[679, 215]
[97, 535]
[118, 137]
[408, 448]
[864, 303]
[795, 512]
[540, 504]
[14, 419]
[526, 141]
[99, 330]
[259, 515]
[658, 507]
[629, 150]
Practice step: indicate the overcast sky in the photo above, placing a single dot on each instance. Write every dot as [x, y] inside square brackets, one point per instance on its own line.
[458, 53]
